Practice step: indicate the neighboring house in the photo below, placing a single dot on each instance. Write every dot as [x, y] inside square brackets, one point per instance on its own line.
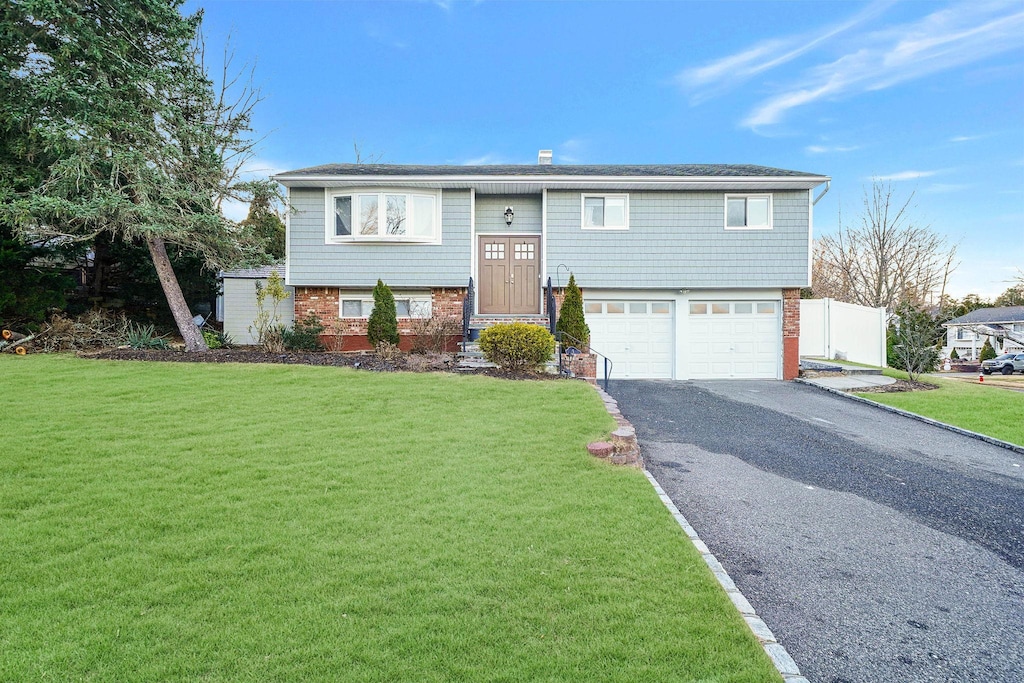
[238, 302]
[840, 331]
[1003, 327]
[687, 271]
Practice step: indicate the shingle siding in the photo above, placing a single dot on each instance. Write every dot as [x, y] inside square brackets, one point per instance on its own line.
[490, 213]
[312, 262]
[678, 239]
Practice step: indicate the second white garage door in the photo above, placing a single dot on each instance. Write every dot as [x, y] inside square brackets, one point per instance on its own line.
[733, 339]
[636, 335]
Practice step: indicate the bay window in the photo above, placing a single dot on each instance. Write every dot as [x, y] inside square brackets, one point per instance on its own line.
[383, 216]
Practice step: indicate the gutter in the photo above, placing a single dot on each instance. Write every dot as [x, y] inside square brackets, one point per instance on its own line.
[828, 185]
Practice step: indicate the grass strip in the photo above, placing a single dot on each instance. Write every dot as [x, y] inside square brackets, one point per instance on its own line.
[988, 410]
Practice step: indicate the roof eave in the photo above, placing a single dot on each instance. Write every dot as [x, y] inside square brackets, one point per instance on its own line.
[556, 182]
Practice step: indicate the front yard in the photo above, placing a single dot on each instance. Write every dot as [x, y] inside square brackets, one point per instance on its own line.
[247, 522]
[991, 410]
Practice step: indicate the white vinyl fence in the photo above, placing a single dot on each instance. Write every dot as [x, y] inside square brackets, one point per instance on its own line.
[840, 331]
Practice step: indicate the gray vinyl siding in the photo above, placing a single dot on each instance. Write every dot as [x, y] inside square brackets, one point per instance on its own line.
[240, 308]
[678, 239]
[490, 213]
[313, 262]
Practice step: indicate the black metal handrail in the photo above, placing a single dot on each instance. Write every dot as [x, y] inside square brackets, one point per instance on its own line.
[561, 349]
[549, 303]
[467, 314]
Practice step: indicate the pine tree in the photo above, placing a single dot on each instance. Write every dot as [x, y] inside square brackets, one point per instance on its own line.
[383, 323]
[987, 352]
[108, 112]
[570, 319]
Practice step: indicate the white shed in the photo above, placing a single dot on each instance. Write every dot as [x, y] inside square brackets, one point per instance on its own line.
[238, 301]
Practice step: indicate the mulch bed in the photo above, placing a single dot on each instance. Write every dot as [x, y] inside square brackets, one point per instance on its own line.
[899, 385]
[359, 360]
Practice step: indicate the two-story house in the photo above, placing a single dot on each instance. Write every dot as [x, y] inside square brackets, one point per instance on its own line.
[687, 271]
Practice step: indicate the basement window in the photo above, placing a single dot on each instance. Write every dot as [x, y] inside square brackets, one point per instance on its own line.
[360, 306]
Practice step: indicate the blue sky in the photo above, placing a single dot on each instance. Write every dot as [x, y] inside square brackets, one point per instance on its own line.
[927, 95]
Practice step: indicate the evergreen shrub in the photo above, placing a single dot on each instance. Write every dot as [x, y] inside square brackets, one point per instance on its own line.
[383, 323]
[570, 319]
[517, 346]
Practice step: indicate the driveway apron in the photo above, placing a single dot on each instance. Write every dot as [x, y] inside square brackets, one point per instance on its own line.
[876, 547]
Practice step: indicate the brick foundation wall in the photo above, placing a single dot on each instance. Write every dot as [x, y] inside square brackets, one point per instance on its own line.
[790, 333]
[324, 303]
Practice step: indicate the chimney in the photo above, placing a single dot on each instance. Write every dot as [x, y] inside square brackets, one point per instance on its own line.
[544, 157]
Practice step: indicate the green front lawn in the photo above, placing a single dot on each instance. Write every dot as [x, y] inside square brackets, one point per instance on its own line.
[988, 410]
[260, 523]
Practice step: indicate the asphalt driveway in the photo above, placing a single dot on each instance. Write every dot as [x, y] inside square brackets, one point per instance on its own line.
[878, 548]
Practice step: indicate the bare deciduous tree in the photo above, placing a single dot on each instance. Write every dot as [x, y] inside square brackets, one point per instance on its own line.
[887, 259]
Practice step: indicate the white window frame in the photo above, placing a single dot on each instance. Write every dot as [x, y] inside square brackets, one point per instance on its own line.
[748, 196]
[330, 194]
[603, 195]
[420, 306]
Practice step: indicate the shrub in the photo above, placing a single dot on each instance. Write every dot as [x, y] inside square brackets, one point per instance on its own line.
[305, 335]
[912, 342]
[953, 355]
[987, 352]
[517, 346]
[213, 339]
[570, 319]
[387, 352]
[383, 323]
[145, 337]
[432, 334]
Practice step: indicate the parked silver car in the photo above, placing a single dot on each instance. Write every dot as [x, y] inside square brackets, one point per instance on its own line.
[1008, 363]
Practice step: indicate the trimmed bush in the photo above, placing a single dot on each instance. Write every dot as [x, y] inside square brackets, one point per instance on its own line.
[987, 352]
[570, 319]
[305, 335]
[953, 355]
[517, 346]
[383, 323]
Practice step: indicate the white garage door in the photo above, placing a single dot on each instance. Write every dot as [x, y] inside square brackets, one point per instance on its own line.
[733, 339]
[636, 335]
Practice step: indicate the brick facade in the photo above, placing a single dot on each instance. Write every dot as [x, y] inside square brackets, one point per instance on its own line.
[790, 333]
[324, 303]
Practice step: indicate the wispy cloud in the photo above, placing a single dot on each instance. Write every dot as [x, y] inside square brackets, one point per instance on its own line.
[905, 175]
[966, 138]
[835, 149]
[729, 71]
[963, 33]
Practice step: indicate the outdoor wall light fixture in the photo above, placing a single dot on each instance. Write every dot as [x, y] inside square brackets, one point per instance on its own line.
[509, 215]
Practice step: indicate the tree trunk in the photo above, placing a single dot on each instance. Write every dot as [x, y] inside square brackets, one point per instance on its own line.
[175, 299]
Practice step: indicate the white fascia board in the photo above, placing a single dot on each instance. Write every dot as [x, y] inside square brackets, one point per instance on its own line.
[561, 182]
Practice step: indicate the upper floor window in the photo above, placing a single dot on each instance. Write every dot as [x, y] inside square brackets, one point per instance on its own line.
[748, 212]
[383, 216]
[606, 211]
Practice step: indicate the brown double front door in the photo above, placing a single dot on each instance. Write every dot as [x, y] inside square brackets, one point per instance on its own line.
[509, 274]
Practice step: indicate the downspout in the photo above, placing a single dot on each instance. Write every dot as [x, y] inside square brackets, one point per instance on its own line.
[828, 184]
